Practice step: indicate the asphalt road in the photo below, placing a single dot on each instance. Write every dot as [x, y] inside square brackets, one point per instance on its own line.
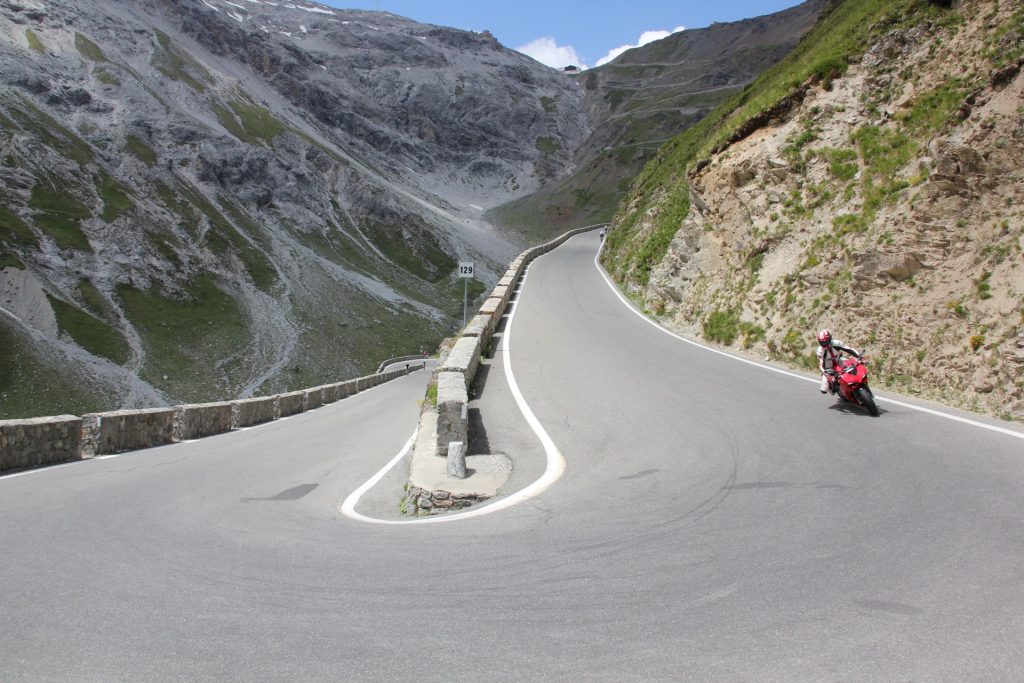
[715, 521]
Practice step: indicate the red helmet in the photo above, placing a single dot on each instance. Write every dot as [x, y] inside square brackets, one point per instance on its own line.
[824, 337]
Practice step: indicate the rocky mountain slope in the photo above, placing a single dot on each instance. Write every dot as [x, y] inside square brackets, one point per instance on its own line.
[869, 183]
[645, 97]
[203, 199]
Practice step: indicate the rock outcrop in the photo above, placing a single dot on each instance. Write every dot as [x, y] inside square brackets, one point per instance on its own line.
[884, 205]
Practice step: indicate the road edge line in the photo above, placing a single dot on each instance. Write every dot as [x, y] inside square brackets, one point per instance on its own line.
[552, 472]
[657, 325]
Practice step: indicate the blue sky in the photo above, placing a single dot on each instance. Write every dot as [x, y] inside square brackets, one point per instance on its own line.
[577, 31]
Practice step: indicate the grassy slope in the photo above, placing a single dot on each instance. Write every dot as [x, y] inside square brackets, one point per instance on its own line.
[845, 31]
[34, 383]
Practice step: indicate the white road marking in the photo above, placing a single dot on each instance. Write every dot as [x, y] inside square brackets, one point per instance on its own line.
[348, 508]
[14, 475]
[657, 325]
[552, 473]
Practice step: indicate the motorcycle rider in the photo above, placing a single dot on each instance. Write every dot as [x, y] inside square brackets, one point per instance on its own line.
[830, 351]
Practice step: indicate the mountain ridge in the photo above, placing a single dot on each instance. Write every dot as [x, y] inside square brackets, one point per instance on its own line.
[300, 173]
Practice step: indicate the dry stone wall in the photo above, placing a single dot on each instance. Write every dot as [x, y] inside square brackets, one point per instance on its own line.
[127, 430]
[314, 398]
[37, 442]
[480, 326]
[197, 421]
[292, 403]
[452, 410]
[254, 411]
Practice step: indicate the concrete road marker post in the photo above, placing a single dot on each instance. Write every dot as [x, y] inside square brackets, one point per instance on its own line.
[457, 459]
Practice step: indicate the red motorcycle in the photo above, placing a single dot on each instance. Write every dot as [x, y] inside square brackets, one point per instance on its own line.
[850, 381]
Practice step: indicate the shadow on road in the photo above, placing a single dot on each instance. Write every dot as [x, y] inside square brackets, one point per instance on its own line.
[478, 441]
[853, 409]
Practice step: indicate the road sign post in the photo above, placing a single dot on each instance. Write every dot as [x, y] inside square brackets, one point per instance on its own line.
[466, 272]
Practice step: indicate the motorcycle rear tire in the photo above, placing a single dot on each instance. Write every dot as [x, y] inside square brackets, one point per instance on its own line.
[867, 400]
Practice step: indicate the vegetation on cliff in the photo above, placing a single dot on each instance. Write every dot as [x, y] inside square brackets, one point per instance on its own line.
[869, 182]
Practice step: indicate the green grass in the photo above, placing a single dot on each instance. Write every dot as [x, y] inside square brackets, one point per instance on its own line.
[95, 301]
[140, 150]
[116, 200]
[420, 254]
[333, 245]
[167, 245]
[59, 214]
[10, 261]
[474, 290]
[185, 211]
[33, 384]
[248, 122]
[667, 224]
[227, 119]
[13, 230]
[883, 152]
[721, 327]
[187, 339]
[34, 43]
[253, 253]
[546, 145]
[179, 65]
[346, 333]
[1007, 43]
[983, 287]
[89, 49]
[934, 110]
[550, 104]
[650, 248]
[752, 334]
[223, 237]
[616, 98]
[55, 136]
[843, 33]
[257, 121]
[756, 261]
[842, 163]
[848, 223]
[105, 76]
[92, 334]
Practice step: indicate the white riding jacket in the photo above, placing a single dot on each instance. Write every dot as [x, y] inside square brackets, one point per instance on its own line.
[828, 356]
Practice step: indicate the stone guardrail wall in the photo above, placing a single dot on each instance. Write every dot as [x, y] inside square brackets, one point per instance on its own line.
[456, 372]
[400, 359]
[41, 441]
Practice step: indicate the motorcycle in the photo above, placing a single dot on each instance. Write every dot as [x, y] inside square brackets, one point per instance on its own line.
[850, 382]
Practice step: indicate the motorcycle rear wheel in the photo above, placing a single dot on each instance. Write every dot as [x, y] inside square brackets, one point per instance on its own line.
[867, 400]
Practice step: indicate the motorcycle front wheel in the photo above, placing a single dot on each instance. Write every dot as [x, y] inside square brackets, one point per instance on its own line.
[867, 400]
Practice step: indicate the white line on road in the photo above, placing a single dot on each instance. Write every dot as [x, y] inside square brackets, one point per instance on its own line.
[657, 325]
[552, 473]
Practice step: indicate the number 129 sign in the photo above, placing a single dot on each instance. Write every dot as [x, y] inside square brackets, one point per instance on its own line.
[466, 269]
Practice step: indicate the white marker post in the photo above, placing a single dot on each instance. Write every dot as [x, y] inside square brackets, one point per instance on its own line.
[466, 272]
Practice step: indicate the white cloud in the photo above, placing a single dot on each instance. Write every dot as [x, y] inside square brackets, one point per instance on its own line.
[547, 51]
[645, 37]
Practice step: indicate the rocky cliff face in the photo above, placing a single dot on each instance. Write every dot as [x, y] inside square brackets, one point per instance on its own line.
[203, 199]
[884, 204]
